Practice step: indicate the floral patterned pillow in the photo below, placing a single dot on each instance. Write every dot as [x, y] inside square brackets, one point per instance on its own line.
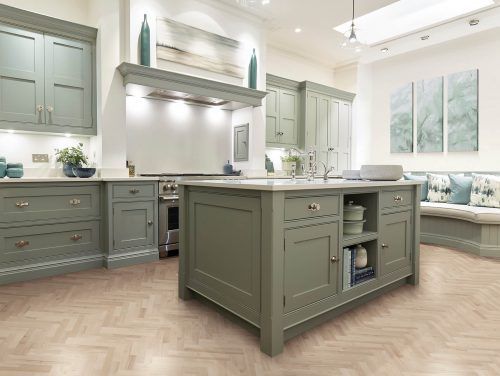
[439, 188]
[485, 191]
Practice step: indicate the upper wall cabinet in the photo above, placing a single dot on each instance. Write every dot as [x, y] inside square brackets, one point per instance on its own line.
[307, 115]
[282, 113]
[47, 77]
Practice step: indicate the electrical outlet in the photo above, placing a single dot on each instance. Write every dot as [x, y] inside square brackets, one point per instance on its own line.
[40, 158]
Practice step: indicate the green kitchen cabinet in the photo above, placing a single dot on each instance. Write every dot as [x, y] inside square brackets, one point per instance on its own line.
[68, 83]
[311, 264]
[282, 117]
[328, 130]
[131, 220]
[395, 241]
[133, 225]
[47, 82]
[21, 76]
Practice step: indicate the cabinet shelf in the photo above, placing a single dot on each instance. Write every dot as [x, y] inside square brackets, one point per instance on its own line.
[365, 236]
[368, 281]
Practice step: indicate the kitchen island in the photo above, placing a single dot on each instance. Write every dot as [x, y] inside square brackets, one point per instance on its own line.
[271, 251]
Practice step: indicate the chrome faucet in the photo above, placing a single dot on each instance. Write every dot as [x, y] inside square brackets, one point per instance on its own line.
[327, 170]
[312, 165]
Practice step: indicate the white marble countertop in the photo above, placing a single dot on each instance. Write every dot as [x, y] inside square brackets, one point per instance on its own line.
[72, 180]
[298, 184]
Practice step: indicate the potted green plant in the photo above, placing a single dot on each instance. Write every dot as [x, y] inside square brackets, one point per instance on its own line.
[289, 161]
[71, 158]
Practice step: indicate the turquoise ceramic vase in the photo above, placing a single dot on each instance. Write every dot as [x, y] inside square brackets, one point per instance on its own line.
[145, 40]
[252, 72]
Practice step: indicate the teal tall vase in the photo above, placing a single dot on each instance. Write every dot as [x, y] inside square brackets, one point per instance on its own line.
[145, 40]
[252, 72]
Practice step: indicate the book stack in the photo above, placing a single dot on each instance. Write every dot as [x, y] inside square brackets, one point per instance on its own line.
[351, 275]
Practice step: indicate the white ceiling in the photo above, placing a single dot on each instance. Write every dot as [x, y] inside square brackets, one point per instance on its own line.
[317, 18]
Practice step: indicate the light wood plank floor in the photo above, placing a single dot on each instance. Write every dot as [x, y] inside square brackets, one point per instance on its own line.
[130, 322]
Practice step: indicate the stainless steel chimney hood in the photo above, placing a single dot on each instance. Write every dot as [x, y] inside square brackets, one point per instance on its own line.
[160, 84]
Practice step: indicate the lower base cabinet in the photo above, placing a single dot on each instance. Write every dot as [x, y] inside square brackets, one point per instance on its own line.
[311, 267]
[132, 218]
[395, 241]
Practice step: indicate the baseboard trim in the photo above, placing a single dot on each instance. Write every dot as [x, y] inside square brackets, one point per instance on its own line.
[48, 269]
[131, 258]
[461, 244]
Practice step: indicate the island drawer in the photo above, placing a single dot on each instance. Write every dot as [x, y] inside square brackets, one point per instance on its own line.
[134, 190]
[49, 202]
[396, 198]
[311, 206]
[22, 243]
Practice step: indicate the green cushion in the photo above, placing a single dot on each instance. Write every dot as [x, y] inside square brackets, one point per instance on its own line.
[14, 165]
[460, 189]
[3, 169]
[15, 172]
[424, 187]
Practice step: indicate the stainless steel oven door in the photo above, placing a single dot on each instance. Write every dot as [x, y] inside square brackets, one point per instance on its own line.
[168, 224]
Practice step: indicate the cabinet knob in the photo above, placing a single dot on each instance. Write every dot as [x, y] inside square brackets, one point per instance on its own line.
[76, 237]
[50, 109]
[22, 204]
[334, 259]
[39, 108]
[384, 245]
[397, 198]
[150, 223]
[22, 243]
[74, 202]
[314, 207]
[134, 191]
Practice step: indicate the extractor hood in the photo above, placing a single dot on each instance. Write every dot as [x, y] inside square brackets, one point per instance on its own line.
[161, 84]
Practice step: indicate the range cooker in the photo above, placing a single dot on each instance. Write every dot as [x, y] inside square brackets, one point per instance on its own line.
[168, 208]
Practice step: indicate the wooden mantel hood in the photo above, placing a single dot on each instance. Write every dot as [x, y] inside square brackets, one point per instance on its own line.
[161, 84]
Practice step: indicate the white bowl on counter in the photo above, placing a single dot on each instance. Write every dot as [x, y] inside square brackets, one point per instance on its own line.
[381, 172]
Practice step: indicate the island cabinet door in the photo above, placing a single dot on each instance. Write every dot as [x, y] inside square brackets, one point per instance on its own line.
[395, 241]
[311, 266]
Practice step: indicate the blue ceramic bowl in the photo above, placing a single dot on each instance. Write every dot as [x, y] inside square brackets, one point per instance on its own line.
[84, 172]
[15, 172]
[3, 169]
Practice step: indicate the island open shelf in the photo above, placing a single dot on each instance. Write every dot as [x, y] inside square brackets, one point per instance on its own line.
[271, 252]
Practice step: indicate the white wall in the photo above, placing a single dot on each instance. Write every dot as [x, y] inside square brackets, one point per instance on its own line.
[175, 137]
[376, 82]
[295, 67]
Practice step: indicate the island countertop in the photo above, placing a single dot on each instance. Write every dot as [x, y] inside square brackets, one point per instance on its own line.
[298, 184]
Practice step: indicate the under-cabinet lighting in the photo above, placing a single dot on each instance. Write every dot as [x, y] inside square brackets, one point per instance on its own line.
[10, 131]
[67, 135]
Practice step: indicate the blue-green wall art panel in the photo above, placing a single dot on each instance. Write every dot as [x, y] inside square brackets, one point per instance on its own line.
[430, 115]
[402, 119]
[463, 111]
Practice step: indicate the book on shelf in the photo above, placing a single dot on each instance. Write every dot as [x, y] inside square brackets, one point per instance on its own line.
[351, 275]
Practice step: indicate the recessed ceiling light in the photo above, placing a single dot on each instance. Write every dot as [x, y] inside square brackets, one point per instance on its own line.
[265, 2]
[298, 30]
[424, 37]
[384, 50]
[474, 22]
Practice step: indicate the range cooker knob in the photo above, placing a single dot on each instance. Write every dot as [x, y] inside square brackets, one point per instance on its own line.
[174, 186]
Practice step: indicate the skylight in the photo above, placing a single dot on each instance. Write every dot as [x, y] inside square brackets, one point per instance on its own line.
[405, 16]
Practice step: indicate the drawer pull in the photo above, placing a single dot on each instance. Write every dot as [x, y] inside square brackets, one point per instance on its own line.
[314, 207]
[384, 245]
[134, 191]
[76, 237]
[22, 243]
[398, 198]
[334, 259]
[74, 202]
[150, 223]
[22, 204]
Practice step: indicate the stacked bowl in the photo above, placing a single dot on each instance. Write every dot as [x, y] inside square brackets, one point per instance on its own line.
[354, 218]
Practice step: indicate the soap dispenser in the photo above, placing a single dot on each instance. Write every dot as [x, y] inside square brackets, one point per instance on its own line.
[228, 168]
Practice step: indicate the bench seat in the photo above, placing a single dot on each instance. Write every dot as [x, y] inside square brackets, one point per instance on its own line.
[468, 228]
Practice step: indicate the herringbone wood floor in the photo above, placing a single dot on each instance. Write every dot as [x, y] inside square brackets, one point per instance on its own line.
[130, 322]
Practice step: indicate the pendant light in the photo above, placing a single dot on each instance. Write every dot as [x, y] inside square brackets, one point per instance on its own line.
[351, 41]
